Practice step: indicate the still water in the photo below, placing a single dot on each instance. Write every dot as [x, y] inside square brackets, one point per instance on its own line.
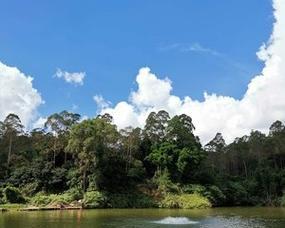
[210, 218]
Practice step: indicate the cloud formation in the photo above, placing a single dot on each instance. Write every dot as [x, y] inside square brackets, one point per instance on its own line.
[195, 47]
[76, 78]
[262, 104]
[17, 94]
[101, 102]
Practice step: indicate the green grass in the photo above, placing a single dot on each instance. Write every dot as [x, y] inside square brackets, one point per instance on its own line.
[12, 206]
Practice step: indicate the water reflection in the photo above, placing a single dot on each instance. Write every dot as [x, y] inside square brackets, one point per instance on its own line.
[175, 221]
[211, 218]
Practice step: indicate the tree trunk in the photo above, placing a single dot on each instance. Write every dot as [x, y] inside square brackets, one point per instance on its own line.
[84, 180]
[65, 156]
[9, 151]
[245, 168]
[54, 152]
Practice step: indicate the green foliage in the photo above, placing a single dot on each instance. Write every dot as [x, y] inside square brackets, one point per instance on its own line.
[74, 194]
[185, 201]
[188, 161]
[73, 178]
[282, 201]
[163, 156]
[136, 171]
[212, 193]
[216, 196]
[137, 200]
[30, 189]
[1, 196]
[43, 199]
[164, 183]
[235, 193]
[12, 195]
[94, 199]
[58, 164]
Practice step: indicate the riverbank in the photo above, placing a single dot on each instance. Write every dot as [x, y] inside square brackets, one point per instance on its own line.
[24, 207]
[97, 200]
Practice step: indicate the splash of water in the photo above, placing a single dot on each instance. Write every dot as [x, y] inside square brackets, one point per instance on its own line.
[175, 221]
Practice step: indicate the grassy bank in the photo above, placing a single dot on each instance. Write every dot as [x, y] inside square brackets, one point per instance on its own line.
[95, 200]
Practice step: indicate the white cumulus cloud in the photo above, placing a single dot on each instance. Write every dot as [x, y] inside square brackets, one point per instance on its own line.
[39, 123]
[262, 104]
[17, 94]
[101, 102]
[76, 78]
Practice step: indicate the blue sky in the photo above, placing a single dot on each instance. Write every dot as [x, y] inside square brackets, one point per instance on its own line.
[111, 40]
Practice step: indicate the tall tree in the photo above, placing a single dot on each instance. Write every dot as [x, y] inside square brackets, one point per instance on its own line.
[155, 127]
[11, 128]
[60, 124]
[217, 144]
[89, 141]
[180, 130]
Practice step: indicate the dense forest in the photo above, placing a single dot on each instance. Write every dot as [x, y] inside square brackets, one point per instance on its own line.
[93, 163]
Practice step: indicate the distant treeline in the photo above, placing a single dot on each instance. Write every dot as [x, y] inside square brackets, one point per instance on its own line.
[159, 165]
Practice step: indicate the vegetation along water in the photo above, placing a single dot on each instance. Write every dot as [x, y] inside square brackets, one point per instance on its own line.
[74, 164]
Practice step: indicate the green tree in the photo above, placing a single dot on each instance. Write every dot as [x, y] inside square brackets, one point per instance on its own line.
[60, 125]
[11, 128]
[163, 156]
[155, 127]
[88, 141]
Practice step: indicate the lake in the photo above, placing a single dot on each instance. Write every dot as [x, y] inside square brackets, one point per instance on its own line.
[209, 218]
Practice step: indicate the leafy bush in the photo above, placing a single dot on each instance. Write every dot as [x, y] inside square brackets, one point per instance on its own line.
[164, 183]
[194, 188]
[216, 196]
[185, 201]
[236, 193]
[94, 199]
[64, 198]
[73, 177]
[282, 200]
[30, 189]
[138, 200]
[212, 193]
[75, 194]
[1, 196]
[13, 195]
[41, 199]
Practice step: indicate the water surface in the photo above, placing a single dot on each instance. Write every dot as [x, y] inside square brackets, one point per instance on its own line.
[210, 218]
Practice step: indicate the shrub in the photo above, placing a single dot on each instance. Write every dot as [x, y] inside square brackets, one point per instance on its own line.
[13, 195]
[282, 201]
[216, 196]
[30, 189]
[94, 199]
[194, 188]
[164, 183]
[138, 200]
[74, 194]
[64, 198]
[185, 201]
[235, 193]
[41, 199]
[212, 193]
[1, 196]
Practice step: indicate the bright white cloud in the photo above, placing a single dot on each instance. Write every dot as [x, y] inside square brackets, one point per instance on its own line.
[39, 123]
[17, 94]
[263, 102]
[101, 102]
[76, 78]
